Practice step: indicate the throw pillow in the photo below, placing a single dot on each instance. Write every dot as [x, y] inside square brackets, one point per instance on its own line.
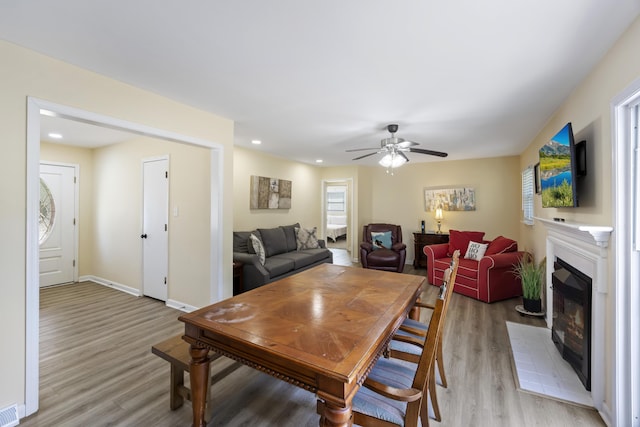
[381, 239]
[306, 238]
[240, 241]
[459, 240]
[476, 250]
[501, 245]
[257, 246]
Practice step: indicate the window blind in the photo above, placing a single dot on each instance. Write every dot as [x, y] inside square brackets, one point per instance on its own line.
[527, 195]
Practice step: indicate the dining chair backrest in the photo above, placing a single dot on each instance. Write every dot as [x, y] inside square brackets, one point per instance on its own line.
[427, 358]
[448, 283]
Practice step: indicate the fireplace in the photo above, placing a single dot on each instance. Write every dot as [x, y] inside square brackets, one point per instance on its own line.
[571, 328]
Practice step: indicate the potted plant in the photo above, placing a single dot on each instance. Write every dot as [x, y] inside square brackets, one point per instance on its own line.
[531, 276]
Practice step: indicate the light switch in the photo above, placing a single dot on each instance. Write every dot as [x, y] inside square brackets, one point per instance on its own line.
[175, 211]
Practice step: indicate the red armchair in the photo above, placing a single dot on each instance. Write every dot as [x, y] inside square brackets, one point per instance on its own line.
[488, 279]
[385, 252]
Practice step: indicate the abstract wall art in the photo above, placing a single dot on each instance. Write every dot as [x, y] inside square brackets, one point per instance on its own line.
[450, 199]
[269, 193]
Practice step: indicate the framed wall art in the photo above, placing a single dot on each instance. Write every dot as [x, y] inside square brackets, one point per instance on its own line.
[450, 199]
[269, 193]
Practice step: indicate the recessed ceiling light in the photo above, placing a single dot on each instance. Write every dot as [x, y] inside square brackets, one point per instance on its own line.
[256, 142]
[319, 160]
[55, 135]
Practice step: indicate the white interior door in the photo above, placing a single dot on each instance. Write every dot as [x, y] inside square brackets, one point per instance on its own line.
[57, 224]
[155, 223]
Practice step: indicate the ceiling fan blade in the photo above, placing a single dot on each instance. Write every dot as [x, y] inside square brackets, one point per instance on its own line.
[361, 149]
[403, 155]
[366, 155]
[430, 152]
[407, 144]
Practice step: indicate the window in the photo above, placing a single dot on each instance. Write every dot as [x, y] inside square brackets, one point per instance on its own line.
[527, 195]
[336, 197]
[47, 212]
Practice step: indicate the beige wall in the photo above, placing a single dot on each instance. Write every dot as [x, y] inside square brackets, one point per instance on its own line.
[399, 199]
[380, 197]
[588, 108]
[305, 191]
[118, 216]
[23, 74]
[83, 157]
[110, 185]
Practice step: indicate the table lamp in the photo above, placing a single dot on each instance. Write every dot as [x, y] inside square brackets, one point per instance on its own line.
[439, 219]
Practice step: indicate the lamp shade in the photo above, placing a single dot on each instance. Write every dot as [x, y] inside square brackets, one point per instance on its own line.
[439, 213]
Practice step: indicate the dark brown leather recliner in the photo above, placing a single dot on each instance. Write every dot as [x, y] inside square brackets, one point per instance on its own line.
[388, 256]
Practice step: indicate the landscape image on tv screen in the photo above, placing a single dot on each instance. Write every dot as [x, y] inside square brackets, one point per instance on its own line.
[556, 177]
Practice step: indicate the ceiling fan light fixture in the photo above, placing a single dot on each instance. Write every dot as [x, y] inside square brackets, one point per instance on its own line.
[392, 160]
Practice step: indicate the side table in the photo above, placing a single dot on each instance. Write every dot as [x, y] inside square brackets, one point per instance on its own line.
[238, 286]
[421, 240]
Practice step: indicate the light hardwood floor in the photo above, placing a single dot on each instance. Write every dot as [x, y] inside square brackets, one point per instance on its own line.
[97, 369]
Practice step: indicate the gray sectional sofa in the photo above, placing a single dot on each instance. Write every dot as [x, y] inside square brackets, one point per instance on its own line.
[282, 257]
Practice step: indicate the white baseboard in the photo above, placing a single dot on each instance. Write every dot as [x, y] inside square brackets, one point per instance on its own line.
[138, 293]
[112, 284]
[181, 306]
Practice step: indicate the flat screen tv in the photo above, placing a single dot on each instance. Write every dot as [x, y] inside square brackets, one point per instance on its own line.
[558, 170]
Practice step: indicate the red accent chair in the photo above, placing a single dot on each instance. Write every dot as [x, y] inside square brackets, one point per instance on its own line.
[488, 279]
[390, 256]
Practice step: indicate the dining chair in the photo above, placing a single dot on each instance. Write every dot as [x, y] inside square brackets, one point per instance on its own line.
[393, 392]
[403, 347]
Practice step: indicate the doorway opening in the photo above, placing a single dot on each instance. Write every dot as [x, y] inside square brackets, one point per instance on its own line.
[338, 218]
[36, 107]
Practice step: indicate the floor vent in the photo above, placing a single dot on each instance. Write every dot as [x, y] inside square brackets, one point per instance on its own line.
[9, 416]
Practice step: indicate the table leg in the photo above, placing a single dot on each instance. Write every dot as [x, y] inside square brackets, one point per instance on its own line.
[199, 375]
[335, 416]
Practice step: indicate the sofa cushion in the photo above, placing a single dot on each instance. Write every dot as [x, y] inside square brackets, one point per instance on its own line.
[459, 240]
[316, 255]
[468, 268]
[241, 241]
[383, 258]
[274, 241]
[305, 257]
[278, 265]
[290, 235]
[306, 238]
[476, 250]
[258, 248]
[501, 245]
[381, 239]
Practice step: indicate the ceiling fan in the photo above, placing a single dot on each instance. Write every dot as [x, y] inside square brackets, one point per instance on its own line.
[394, 149]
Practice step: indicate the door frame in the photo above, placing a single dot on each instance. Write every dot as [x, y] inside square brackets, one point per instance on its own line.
[626, 304]
[351, 212]
[36, 107]
[76, 211]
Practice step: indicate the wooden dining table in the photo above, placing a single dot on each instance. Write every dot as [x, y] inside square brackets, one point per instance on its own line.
[322, 329]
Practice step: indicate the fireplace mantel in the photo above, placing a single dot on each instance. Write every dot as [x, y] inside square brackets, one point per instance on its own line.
[585, 232]
[585, 247]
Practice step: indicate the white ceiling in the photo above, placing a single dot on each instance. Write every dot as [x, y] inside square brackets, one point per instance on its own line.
[312, 79]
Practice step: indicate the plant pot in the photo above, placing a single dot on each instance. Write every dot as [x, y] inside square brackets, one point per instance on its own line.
[532, 305]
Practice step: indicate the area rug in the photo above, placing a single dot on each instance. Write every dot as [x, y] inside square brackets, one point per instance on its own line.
[539, 368]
